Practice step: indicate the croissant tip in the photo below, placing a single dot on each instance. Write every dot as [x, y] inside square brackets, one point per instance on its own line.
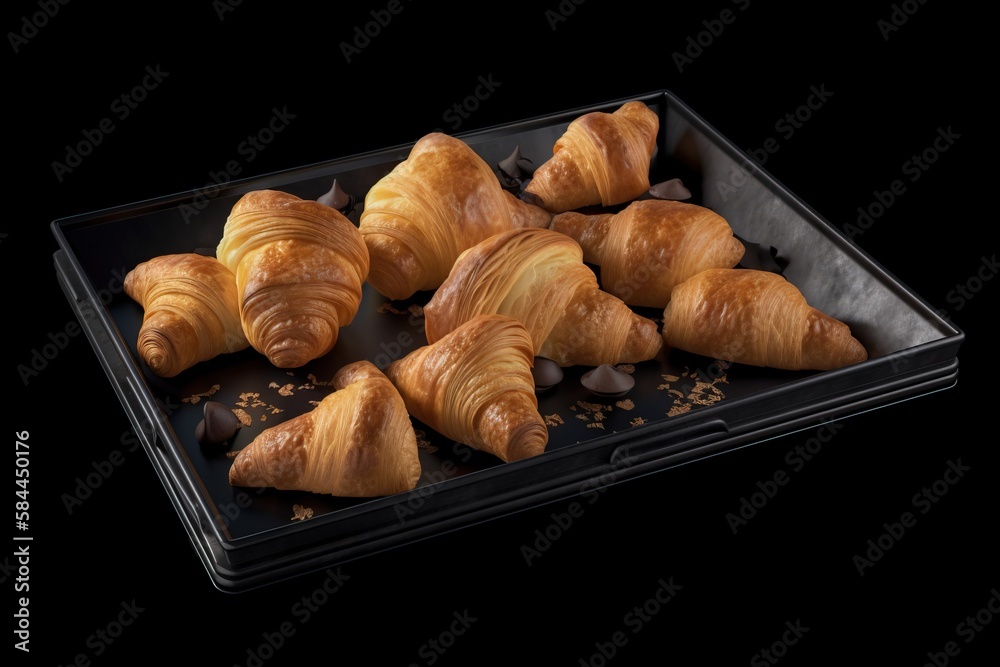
[527, 442]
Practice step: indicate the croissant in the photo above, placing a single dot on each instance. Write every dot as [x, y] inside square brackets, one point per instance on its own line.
[190, 311]
[357, 442]
[475, 386]
[602, 158]
[756, 317]
[440, 200]
[300, 266]
[651, 245]
[538, 277]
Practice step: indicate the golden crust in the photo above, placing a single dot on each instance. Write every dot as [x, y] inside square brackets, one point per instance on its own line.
[191, 311]
[358, 442]
[758, 318]
[300, 267]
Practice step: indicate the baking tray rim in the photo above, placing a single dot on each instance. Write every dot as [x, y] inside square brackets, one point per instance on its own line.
[948, 344]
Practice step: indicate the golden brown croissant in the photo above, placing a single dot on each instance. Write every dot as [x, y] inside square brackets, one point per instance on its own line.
[756, 317]
[538, 277]
[358, 442]
[601, 158]
[300, 266]
[440, 200]
[475, 386]
[651, 245]
[190, 311]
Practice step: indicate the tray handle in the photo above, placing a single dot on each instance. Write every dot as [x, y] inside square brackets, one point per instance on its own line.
[632, 453]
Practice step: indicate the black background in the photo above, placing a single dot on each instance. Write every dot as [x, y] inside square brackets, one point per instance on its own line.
[891, 92]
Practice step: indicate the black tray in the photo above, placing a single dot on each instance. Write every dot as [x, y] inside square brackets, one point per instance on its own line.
[683, 406]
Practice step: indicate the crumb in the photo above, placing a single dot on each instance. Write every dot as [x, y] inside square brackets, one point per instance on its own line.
[707, 399]
[196, 398]
[596, 425]
[249, 400]
[679, 410]
[670, 378]
[625, 404]
[583, 417]
[593, 407]
[676, 393]
[387, 307]
[244, 418]
[554, 420]
[573, 408]
[638, 421]
[314, 403]
[416, 310]
[317, 382]
[232, 455]
[423, 442]
[286, 390]
[599, 416]
[263, 418]
[301, 513]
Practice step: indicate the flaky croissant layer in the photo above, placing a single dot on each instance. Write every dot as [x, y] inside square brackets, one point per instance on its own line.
[758, 318]
[358, 442]
[300, 267]
[474, 385]
[442, 199]
[601, 159]
[190, 311]
[652, 245]
[538, 277]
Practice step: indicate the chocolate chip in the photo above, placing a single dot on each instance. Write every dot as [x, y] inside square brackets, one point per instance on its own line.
[530, 198]
[606, 380]
[218, 425]
[672, 189]
[514, 167]
[547, 374]
[338, 199]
